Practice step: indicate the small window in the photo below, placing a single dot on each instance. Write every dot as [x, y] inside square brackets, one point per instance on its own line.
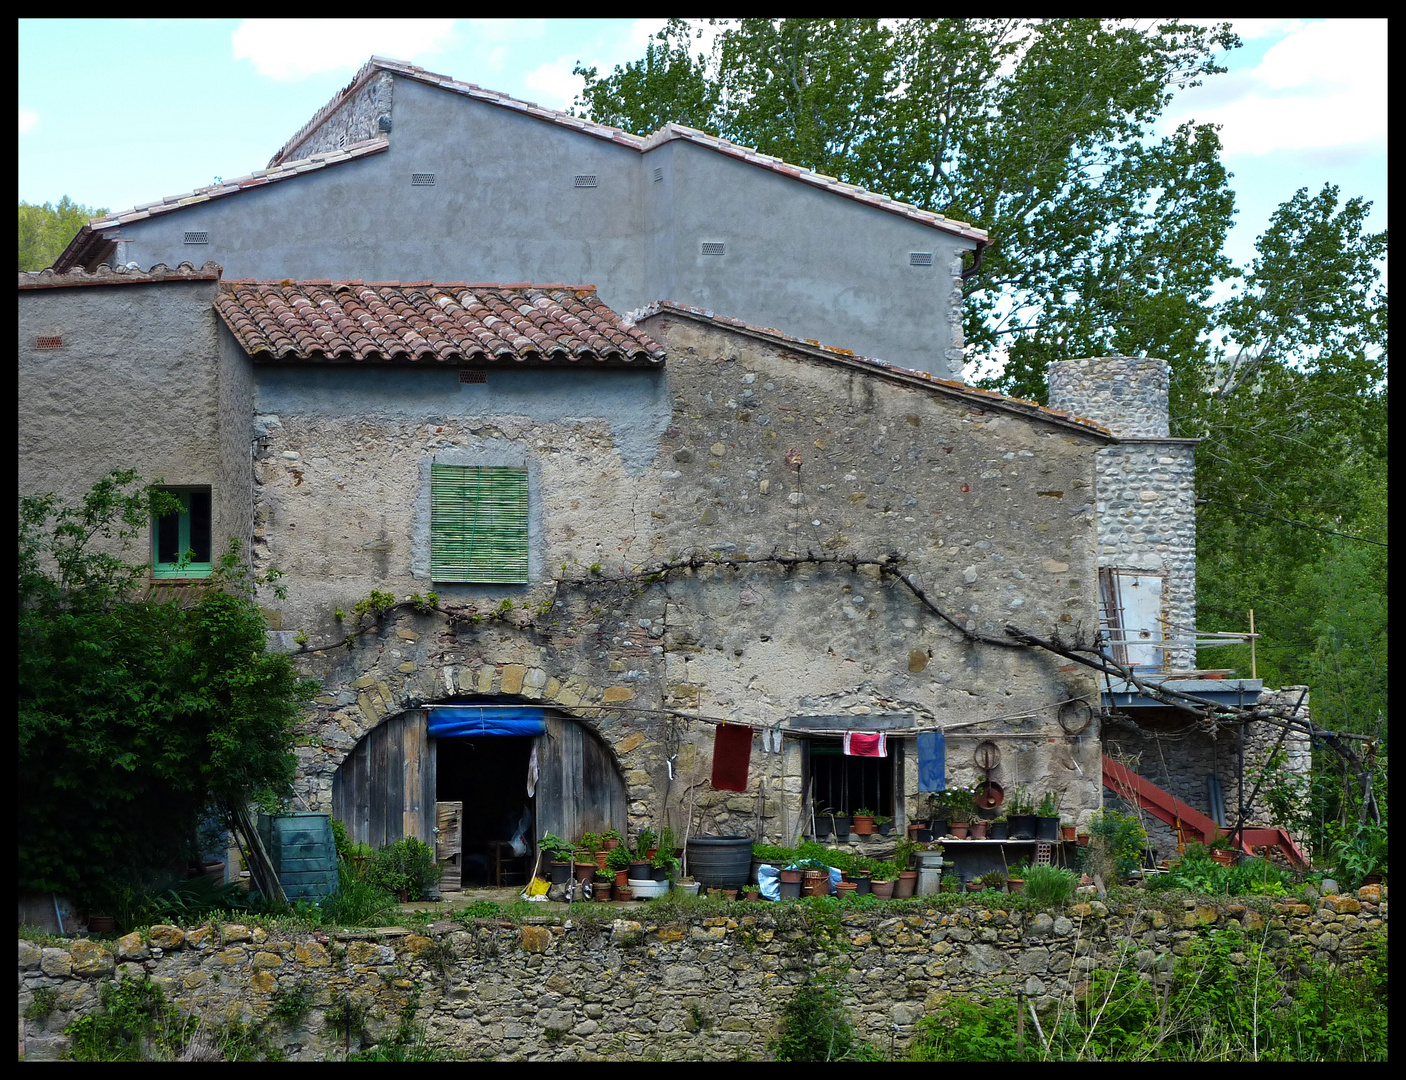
[845, 784]
[181, 542]
[478, 524]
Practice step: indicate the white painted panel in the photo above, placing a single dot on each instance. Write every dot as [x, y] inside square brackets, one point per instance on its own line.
[1142, 612]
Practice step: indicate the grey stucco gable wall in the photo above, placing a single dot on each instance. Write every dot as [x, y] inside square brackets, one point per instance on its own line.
[505, 206]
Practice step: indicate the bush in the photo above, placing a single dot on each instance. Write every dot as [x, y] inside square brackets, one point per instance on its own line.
[814, 1027]
[405, 866]
[358, 902]
[968, 1030]
[1117, 841]
[1049, 885]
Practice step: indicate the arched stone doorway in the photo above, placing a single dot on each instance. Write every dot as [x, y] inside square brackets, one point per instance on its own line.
[468, 792]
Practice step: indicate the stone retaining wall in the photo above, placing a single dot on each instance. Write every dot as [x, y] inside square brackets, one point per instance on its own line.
[710, 984]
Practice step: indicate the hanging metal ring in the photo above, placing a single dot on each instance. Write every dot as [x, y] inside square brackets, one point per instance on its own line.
[1075, 716]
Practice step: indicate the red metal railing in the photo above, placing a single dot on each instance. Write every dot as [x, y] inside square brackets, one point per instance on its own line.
[1186, 820]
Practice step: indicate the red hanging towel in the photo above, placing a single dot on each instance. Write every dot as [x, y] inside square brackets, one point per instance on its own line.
[865, 744]
[732, 754]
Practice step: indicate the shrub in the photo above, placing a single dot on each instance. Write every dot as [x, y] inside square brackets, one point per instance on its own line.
[1049, 884]
[1118, 841]
[965, 1029]
[405, 866]
[814, 1027]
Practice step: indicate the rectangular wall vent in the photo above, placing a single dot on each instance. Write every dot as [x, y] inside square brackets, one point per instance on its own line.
[920, 258]
[196, 238]
[473, 375]
[713, 247]
[659, 174]
[422, 179]
[585, 180]
[48, 343]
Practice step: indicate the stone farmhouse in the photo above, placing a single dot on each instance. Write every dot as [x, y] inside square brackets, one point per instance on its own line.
[645, 507]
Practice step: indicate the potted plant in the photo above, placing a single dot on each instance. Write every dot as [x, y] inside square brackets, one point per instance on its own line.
[1015, 879]
[978, 828]
[1067, 831]
[840, 823]
[663, 865]
[611, 839]
[974, 885]
[824, 822]
[1083, 838]
[999, 829]
[1020, 812]
[617, 862]
[994, 879]
[1047, 818]
[883, 824]
[881, 879]
[558, 855]
[640, 868]
[863, 823]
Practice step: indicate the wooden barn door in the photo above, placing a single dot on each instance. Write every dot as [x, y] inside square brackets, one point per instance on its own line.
[579, 789]
[385, 788]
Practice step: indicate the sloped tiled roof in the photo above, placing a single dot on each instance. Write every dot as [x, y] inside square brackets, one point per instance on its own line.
[844, 357]
[73, 254]
[427, 323]
[665, 134]
[119, 275]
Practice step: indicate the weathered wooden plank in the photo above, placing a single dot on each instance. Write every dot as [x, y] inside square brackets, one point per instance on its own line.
[395, 776]
[412, 782]
[429, 779]
[338, 797]
[449, 844]
[376, 796]
[362, 809]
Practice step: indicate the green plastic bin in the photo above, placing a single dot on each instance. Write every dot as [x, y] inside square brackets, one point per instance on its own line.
[303, 853]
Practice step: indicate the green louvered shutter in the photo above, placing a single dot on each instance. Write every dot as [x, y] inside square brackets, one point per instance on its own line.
[478, 524]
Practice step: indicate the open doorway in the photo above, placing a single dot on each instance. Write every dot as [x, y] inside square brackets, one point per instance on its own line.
[489, 777]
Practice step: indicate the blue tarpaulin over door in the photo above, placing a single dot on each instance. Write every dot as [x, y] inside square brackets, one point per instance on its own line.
[477, 721]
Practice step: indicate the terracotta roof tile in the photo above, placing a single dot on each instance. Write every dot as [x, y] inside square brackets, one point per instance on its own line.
[846, 356]
[110, 275]
[422, 322]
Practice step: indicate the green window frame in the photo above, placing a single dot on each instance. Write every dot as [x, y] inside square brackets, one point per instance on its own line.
[181, 543]
[478, 524]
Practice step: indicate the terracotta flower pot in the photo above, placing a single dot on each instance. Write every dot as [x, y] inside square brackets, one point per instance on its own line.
[862, 825]
[1015, 884]
[845, 888]
[624, 892]
[978, 830]
[906, 885]
[101, 924]
[1069, 833]
[622, 878]
[1083, 839]
[601, 856]
[791, 877]
[611, 843]
[882, 889]
[959, 829]
[584, 871]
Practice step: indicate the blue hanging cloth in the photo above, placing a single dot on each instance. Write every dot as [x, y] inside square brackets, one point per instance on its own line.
[932, 761]
[478, 721]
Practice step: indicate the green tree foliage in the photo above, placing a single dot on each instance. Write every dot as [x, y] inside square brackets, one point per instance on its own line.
[136, 712]
[46, 230]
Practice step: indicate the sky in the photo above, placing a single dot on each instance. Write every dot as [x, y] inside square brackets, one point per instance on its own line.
[114, 113]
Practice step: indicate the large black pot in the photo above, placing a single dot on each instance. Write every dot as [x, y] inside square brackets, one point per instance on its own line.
[1047, 828]
[1022, 826]
[641, 871]
[842, 826]
[720, 862]
[561, 872]
[822, 826]
[999, 830]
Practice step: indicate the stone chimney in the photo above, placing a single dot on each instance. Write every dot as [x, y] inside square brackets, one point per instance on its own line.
[1146, 490]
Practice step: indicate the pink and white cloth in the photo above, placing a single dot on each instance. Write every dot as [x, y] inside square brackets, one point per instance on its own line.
[865, 744]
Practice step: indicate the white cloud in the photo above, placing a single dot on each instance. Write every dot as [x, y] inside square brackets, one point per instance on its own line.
[1322, 86]
[553, 84]
[29, 120]
[507, 30]
[289, 49]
